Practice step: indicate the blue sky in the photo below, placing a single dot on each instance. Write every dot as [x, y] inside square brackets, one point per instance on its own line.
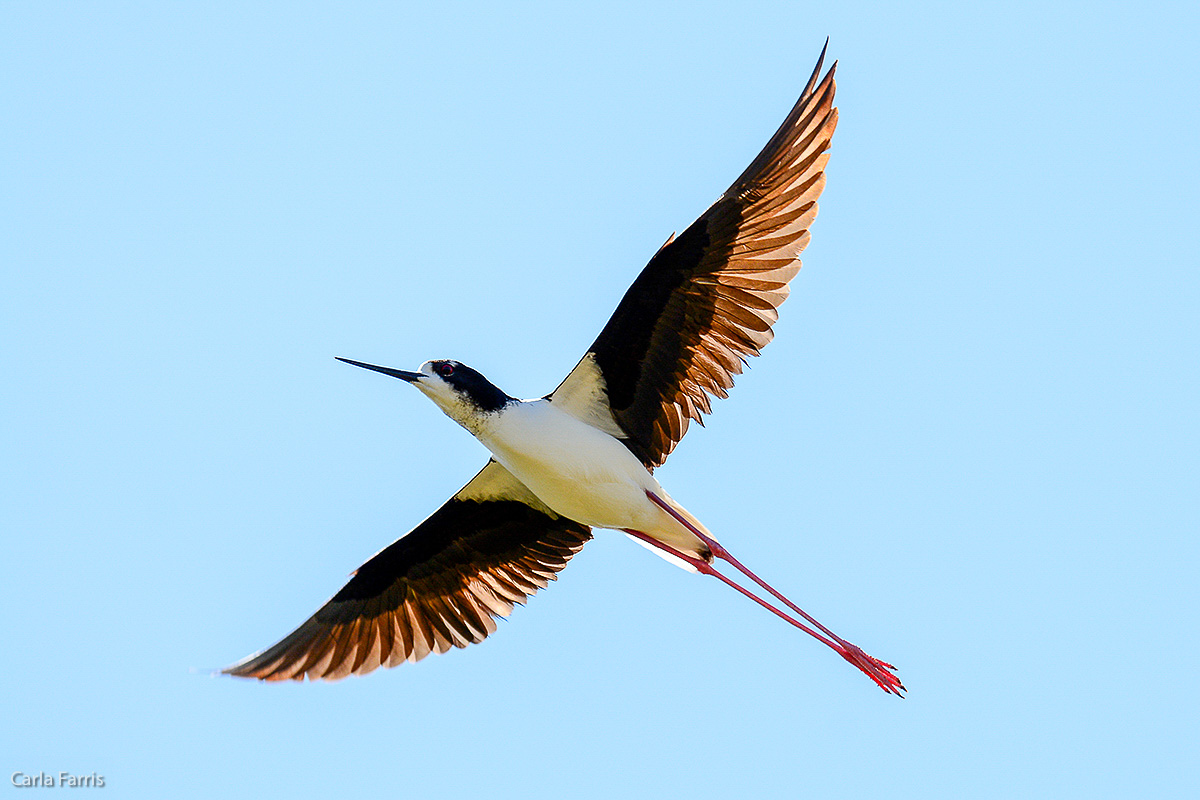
[972, 448]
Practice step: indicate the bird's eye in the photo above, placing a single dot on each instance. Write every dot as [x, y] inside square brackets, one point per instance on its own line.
[445, 370]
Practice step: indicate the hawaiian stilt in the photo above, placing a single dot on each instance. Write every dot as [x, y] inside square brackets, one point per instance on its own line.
[582, 456]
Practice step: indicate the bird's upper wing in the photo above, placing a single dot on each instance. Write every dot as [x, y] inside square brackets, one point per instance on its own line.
[441, 585]
[708, 298]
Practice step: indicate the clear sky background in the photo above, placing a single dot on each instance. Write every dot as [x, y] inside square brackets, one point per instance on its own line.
[972, 448]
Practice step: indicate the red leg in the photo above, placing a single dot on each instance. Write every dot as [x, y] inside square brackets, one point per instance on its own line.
[705, 568]
[879, 671]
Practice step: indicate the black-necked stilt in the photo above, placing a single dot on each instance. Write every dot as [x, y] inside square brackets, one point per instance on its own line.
[581, 456]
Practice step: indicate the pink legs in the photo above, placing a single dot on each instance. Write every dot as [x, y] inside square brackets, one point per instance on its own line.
[880, 672]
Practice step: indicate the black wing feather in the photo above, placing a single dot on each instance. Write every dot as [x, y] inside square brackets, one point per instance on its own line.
[439, 586]
[707, 299]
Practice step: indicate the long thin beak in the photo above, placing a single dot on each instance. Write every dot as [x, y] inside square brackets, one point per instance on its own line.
[410, 377]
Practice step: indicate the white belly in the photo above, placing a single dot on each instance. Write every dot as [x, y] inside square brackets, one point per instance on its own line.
[578, 471]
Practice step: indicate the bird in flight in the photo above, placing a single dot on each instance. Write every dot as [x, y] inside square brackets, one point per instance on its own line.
[582, 457]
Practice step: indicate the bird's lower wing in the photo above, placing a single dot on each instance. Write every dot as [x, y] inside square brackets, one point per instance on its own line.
[440, 586]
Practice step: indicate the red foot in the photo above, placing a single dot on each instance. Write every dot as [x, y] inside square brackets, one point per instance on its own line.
[879, 671]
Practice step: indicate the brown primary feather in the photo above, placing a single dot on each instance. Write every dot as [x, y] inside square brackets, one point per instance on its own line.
[481, 558]
[707, 300]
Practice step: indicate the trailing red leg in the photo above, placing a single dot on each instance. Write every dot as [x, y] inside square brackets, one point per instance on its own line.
[881, 672]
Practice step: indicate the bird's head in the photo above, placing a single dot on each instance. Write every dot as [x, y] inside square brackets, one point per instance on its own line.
[463, 393]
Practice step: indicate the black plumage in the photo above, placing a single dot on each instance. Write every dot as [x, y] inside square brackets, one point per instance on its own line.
[707, 299]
